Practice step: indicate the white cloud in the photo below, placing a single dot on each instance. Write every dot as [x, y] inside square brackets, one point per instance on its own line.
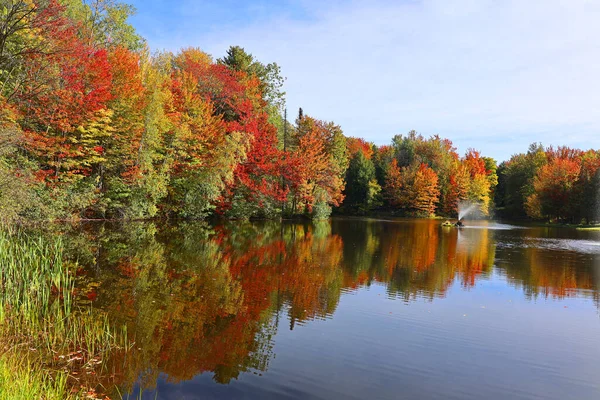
[494, 75]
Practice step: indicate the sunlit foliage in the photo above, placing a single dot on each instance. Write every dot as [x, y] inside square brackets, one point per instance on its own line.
[560, 185]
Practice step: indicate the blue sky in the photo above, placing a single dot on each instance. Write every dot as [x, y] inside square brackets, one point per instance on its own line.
[495, 75]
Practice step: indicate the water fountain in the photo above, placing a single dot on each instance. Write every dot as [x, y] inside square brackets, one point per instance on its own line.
[465, 208]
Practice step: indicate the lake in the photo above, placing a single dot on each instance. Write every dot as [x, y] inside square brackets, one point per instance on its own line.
[346, 309]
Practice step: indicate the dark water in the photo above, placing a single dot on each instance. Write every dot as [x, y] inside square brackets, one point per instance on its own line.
[352, 309]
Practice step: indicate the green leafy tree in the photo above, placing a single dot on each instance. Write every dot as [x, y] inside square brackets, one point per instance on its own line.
[405, 148]
[105, 23]
[587, 191]
[516, 180]
[362, 190]
[269, 75]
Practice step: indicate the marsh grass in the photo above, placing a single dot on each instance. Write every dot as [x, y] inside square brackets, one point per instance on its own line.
[48, 345]
[18, 380]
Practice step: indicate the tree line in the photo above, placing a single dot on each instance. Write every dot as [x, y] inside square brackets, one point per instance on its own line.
[417, 176]
[95, 125]
[557, 184]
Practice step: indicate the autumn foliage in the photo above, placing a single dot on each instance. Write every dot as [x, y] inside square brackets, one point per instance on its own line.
[554, 184]
[95, 125]
[426, 176]
[111, 131]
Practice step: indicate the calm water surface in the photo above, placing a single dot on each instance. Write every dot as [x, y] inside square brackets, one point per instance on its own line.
[348, 309]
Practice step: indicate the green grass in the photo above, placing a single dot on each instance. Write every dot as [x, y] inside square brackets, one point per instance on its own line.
[45, 339]
[588, 228]
[20, 380]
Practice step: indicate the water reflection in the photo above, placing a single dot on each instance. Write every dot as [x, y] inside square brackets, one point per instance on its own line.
[210, 299]
[415, 258]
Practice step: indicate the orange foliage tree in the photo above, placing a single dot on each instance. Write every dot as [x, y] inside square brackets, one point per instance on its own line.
[460, 182]
[393, 189]
[316, 166]
[424, 191]
[554, 189]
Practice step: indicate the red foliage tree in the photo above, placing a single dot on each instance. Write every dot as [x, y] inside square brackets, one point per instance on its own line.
[357, 144]
[474, 163]
[65, 87]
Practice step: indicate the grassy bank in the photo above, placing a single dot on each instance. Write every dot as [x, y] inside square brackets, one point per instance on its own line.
[49, 347]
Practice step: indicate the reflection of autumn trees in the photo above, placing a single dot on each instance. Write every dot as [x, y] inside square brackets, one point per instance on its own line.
[202, 299]
[312, 277]
[553, 273]
[418, 258]
[413, 258]
[472, 252]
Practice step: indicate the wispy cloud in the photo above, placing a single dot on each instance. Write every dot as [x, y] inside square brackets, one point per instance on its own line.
[495, 75]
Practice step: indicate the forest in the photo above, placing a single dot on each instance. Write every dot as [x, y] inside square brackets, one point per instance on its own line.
[96, 125]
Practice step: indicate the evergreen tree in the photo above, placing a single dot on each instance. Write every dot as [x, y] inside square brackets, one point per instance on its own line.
[362, 190]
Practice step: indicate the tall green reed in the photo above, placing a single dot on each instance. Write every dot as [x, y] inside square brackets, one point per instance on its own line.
[39, 318]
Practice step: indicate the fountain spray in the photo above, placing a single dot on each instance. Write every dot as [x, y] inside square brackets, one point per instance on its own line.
[467, 208]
